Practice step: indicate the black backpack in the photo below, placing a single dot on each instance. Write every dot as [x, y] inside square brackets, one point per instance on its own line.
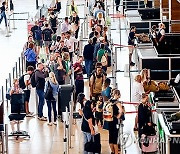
[33, 80]
[21, 82]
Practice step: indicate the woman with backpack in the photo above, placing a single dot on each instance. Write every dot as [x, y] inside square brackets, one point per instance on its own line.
[51, 103]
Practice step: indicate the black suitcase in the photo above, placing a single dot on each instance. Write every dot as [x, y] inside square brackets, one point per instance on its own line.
[64, 97]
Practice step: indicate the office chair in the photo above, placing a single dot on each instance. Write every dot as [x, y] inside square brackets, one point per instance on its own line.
[18, 114]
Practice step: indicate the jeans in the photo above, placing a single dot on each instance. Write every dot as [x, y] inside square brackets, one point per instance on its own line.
[40, 94]
[88, 66]
[87, 138]
[79, 87]
[52, 104]
[3, 15]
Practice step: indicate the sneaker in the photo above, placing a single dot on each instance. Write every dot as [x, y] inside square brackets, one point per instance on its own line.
[43, 118]
[32, 113]
[49, 124]
[55, 123]
[29, 115]
[132, 64]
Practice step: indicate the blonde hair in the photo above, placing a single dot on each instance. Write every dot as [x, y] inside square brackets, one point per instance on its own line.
[161, 25]
[15, 80]
[144, 74]
[137, 77]
[53, 78]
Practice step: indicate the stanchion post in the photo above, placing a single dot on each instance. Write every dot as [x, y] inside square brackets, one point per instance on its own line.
[19, 62]
[6, 138]
[14, 27]
[7, 90]
[9, 79]
[3, 149]
[13, 73]
[67, 129]
[16, 69]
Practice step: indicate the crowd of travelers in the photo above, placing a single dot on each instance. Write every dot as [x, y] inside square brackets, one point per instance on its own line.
[103, 108]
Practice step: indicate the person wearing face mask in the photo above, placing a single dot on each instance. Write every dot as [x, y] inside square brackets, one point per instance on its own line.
[118, 113]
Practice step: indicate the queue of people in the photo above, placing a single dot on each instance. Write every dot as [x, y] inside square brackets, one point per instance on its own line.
[56, 70]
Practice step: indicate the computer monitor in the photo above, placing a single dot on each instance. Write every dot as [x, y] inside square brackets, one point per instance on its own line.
[17, 103]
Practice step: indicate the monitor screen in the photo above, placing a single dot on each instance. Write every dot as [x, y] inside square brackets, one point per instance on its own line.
[17, 103]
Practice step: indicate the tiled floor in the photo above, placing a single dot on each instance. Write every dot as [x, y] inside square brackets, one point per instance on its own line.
[49, 140]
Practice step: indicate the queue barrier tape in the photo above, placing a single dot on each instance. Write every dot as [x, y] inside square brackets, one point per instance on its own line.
[131, 112]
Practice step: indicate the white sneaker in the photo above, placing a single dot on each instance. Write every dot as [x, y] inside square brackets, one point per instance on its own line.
[55, 123]
[43, 118]
[49, 124]
[29, 115]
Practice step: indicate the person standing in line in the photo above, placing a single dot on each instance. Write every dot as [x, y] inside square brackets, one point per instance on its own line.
[88, 123]
[78, 73]
[31, 56]
[47, 37]
[51, 104]
[117, 115]
[40, 75]
[137, 92]
[88, 57]
[131, 43]
[30, 40]
[27, 90]
[57, 7]
[144, 115]
[73, 8]
[3, 13]
[37, 36]
[53, 21]
[117, 5]
[65, 26]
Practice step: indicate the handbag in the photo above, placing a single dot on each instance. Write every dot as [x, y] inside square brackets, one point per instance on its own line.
[49, 93]
[94, 144]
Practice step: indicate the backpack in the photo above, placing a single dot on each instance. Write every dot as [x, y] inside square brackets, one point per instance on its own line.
[33, 80]
[108, 111]
[21, 82]
[49, 92]
[94, 77]
[104, 60]
[38, 34]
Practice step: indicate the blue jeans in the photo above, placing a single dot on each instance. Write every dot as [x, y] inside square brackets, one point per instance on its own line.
[50, 105]
[88, 66]
[87, 138]
[3, 15]
[40, 94]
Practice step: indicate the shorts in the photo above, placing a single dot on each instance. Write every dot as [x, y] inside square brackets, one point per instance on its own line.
[38, 42]
[27, 95]
[47, 43]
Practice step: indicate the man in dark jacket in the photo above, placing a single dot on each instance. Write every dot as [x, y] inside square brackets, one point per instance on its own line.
[40, 75]
[88, 57]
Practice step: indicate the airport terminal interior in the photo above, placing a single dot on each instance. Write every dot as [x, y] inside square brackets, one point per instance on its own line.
[85, 47]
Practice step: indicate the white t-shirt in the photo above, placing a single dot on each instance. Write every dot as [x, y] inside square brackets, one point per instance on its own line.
[72, 41]
[78, 107]
[177, 79]
[137, 91]
[162, 31]
[26, 78]
[67, 43]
